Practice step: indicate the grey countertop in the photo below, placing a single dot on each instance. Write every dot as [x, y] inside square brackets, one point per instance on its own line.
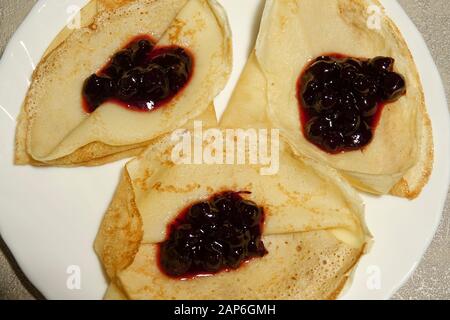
[431, 280]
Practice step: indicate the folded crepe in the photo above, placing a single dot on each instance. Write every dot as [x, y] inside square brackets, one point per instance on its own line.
[54, 129]
[313, 245]
[293, 32]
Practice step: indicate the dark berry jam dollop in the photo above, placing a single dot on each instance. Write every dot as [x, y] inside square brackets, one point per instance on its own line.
[341, 99]
[211, 236]
[141, 77]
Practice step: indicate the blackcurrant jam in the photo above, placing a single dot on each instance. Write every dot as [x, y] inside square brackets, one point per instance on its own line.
[141, 77]
[219, 234]
[341, 99]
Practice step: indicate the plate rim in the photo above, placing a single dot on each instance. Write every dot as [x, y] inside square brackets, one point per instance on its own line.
[393, 5]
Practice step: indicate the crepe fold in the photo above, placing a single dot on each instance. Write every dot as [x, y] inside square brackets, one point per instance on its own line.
[293, 32]
[54, 129]
[313, 244]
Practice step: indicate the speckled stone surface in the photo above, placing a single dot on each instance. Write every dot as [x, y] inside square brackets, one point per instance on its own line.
[431, 279]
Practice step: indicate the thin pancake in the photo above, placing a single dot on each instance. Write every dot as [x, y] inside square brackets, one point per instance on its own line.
[289, 39]
[306, 260]
[49, 134]
[310, 265]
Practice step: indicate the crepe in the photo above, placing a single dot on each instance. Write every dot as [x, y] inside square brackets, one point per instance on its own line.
[313, 244]
[53, 128]
[399, 159]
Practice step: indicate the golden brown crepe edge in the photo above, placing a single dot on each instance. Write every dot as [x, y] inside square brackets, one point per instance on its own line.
[414, 180]
[98, 153]
[115, 293]
[21, 156]
[121, 232]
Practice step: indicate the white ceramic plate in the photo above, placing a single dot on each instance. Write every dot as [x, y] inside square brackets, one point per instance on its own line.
[49, 217]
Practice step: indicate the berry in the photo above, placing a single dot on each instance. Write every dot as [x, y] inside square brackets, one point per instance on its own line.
[97, 90]
[340, 98]
[382, 64]
[138, 79]
[218, 234]
[393, 86]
